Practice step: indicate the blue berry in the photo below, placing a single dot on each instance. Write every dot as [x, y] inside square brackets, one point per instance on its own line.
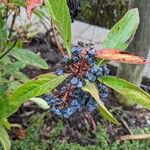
[95, 69]
[91, 52]
[59, 71]
[56, 111]
[65, 59]
[47, 97]
[92, 105]
[75, 104]
[91, 77]
[51, 101]
[74, 81]
[79, 49]
[91, 60]
[75, 59]
[80, 84]
[68, 112]
[106, 71]
[103, 91]
[99, 72]
[76, 50]
[63, 89]
[77, 99]
[103, 95]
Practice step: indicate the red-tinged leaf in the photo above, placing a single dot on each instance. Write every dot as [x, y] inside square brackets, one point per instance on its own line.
[32, 4]
[120, 56]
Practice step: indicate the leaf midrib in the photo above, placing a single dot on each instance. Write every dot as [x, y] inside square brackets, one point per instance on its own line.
[39, 87]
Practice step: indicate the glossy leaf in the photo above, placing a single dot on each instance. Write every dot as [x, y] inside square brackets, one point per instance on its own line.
[29, 58]
[4, 138]
[128, 90]
[120, 56]
[122, 33]
[35, 88]
[5, 107]
[59, 12]
[32, 88]
[32, 4]
[92, 89]
[49, 76]
[4, 102]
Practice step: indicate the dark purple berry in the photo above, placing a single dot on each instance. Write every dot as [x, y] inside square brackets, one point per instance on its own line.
[59, 71]
[66, 59]
[74, 81]
[91, 77]
[80, 84]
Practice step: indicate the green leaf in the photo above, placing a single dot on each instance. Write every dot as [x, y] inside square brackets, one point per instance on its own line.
[5, 107]
[4, 138]
[122, 33]
[92, 89]
[40, 102]
[5, 123]
[3, 33]
[34, 88]
[3, 103]
[5, 61]
[13, 68]
[58, 10]
[128, 90]
[21, 76]
[29, 58]
[3, 88]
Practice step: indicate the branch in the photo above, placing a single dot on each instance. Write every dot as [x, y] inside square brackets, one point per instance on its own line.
[12, 25]
[9, 49]
[60, 48]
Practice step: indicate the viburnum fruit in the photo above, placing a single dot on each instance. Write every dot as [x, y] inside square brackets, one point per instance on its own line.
[70, 97]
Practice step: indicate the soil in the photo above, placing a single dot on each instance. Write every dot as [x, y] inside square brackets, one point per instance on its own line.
[76, 126]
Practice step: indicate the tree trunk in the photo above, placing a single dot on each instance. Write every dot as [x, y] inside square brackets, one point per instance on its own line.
[140, 45]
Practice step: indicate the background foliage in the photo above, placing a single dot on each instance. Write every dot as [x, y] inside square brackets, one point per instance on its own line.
[104, 13]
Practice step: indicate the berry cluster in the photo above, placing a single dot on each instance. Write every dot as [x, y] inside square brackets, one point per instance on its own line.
[70, 98]
[74, 7]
